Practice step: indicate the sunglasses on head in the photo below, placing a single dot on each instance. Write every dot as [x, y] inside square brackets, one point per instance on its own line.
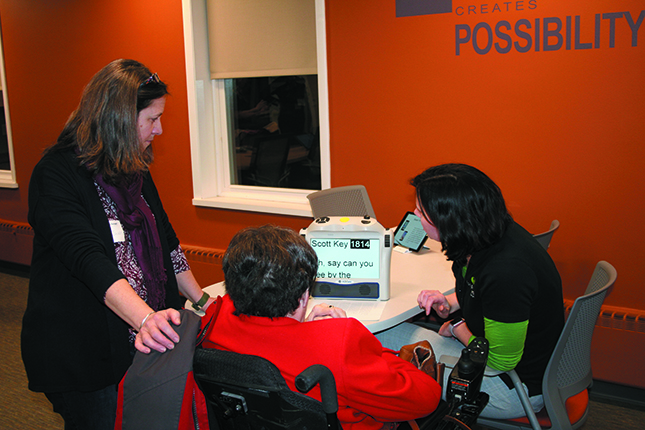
[153, 78]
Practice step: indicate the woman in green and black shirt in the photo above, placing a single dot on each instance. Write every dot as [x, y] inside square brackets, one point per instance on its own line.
[507, 290]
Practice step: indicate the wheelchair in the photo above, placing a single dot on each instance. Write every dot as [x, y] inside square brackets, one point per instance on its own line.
[247, 392]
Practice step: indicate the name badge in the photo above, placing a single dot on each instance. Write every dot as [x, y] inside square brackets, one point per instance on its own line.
[117, 231]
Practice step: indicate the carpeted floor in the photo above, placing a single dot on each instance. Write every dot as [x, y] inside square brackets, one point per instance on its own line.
[23, 409]
[20, 408]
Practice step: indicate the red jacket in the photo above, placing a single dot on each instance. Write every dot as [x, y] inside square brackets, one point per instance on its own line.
[374, 385]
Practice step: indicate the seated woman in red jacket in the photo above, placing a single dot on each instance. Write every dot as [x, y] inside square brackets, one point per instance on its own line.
[268, 272]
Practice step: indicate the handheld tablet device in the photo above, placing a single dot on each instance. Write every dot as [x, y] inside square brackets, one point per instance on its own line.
[354, 256]
[410, 232]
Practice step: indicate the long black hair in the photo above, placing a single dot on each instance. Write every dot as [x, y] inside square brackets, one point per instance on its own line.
[465, 206]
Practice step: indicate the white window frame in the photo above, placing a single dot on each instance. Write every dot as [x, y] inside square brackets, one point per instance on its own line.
[7, 177]
[211, 164]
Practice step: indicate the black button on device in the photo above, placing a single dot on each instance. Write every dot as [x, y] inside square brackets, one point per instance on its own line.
[322, 220]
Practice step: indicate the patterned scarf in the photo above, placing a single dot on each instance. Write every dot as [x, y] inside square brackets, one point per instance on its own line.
[137, 218]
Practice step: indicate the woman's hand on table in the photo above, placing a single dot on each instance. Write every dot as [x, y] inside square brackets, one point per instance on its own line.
[325, 311]
[432, 299]
[157, 333]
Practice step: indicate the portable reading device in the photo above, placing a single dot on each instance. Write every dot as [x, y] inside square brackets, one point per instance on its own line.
[354, 256]
[410, 233]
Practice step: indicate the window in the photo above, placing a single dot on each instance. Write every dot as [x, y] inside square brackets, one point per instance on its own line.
[274, 131]
[7, 171]
[233, 118]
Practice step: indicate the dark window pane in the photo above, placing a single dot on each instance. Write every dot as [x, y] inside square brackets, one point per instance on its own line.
[275, 135]
[4, 143]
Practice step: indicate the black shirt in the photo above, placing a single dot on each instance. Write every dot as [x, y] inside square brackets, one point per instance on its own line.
[512, 281]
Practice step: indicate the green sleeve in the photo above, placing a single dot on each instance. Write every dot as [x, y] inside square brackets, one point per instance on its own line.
[506, 343]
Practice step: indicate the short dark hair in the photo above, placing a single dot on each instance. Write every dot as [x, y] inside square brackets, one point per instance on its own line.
[465, 206]
[267, 270]
[103, 128]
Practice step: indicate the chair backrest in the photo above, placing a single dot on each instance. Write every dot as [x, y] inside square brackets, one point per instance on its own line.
[248, 392]
[569, 369]
[545, 238]
[604, 274]
[351, 200]
[268, 166]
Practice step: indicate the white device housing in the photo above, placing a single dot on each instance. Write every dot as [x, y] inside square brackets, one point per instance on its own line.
[354, 255]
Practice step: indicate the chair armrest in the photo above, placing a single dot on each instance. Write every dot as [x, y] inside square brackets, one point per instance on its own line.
[524, 398]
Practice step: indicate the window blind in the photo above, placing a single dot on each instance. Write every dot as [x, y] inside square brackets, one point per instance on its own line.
[251, 38]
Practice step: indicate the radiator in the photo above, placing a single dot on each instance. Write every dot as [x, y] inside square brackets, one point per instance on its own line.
[16, 242]
[616, 318]
[206, 264]
[203, 255]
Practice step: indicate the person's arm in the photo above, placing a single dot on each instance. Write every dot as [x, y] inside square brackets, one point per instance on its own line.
[506, 307]
[155, 331]
[453, 302]
[67, 217]
[325, 311]
[379, 383]
[189, 288]
[76, 232]
[459, 331]
[506, 343]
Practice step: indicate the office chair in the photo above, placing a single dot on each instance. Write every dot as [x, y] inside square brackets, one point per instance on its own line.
[568, 373]
[341, 201]
[269, 162]
[545, 238]
[248, 392]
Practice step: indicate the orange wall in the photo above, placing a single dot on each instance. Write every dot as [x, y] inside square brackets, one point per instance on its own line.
[561, 131]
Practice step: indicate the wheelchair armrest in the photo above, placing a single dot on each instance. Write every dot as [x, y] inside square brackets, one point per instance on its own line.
[319, 374]
[451, 362]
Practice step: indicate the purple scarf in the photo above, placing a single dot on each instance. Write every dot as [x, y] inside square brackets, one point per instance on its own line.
[137, 218]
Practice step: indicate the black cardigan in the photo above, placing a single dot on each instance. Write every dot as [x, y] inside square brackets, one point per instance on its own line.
[70, 339]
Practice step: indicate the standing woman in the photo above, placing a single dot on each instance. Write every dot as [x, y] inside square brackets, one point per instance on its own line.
[507, 287]
[107, 267]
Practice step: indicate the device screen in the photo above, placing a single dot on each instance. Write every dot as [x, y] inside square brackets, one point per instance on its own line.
[347, 258]
[410, 232]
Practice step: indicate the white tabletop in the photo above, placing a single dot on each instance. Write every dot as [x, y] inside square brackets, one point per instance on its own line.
[409, 274]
